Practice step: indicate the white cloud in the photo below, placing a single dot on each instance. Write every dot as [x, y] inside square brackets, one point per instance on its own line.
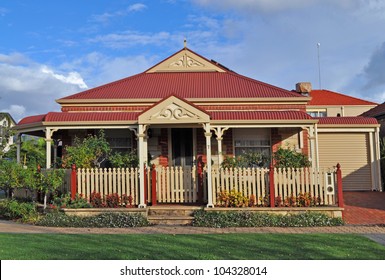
[3, 11]
[131, 38]
[136, 7]
[73, 78]
[99, 69]
[28, 88]
[105, 17]
[269, 6]
[16, 111]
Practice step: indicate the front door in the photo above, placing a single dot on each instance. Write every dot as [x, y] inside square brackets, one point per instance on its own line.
[182, 147]
[183, 183]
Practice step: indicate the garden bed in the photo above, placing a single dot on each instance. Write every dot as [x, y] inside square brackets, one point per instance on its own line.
[88, 212]
[332, 212]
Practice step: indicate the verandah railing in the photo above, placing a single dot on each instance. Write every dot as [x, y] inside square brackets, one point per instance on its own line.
[188, 185]
[123, 181]
[280, 188]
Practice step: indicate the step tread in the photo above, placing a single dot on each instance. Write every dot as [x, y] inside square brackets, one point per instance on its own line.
[170, 217]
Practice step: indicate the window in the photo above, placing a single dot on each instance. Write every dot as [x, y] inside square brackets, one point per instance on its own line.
[317, 113]
[120, 140]
[256, 140]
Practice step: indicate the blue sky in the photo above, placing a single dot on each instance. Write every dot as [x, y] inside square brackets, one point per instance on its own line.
[50, 49]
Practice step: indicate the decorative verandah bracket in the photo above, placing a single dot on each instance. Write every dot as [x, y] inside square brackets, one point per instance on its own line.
[313, 141]
[219, 132]
[48, 139]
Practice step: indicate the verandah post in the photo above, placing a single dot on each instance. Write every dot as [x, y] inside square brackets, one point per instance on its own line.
[271, 187]
[73, 181]
[153, 185]
[145, 185]
[339, 187]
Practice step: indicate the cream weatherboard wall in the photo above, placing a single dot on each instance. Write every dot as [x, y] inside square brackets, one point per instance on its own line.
[351, 150]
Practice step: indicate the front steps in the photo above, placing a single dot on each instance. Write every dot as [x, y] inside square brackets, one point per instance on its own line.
[171, 215]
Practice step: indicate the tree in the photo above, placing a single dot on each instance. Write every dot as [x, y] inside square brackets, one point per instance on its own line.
[13, 175]
[48, 181]
[32, 152]
[90, 152]
[94, 150]
[124, 159]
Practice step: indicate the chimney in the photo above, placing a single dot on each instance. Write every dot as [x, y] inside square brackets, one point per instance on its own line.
[303, 88]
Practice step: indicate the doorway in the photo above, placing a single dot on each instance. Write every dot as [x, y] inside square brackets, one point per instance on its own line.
[182, 146]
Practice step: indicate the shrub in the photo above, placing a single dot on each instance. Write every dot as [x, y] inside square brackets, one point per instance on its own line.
[65, 201]
[232, 199]
[111, 220]
[287, 158]
[250, 159]
[127, 201]
[112, 200]
[250, 219]
[96, 200]
[15, 210]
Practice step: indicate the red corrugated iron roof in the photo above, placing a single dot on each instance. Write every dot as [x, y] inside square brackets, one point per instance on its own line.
[81, 117]
[32, 119]
[186, 85]
[347, 121]
[87, 117]
[260, 115]
[327, 97]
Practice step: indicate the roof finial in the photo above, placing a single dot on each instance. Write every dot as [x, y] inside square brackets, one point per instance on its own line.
[185, 43]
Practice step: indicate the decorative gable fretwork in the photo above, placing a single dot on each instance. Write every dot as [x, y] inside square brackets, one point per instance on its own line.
[173, 110]
[186, 61]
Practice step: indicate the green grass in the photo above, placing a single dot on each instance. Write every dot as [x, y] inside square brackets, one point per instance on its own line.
[188, 247]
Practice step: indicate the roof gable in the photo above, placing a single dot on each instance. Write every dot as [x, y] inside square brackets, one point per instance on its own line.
[173, 110]
[185, 61]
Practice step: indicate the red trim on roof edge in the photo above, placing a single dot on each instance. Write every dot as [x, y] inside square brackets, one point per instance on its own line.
[260, 115]
[347, 120]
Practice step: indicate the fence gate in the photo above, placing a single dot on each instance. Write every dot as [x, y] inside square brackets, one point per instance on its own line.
[176, 184]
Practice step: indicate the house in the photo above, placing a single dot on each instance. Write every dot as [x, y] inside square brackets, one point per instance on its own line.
[6, 139]
[326, 103]
[339, 137]
[377, 112]
[188, 110]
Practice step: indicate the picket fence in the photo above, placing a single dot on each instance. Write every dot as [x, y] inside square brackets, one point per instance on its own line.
[288, 184]
[123, 181]
[176, 184]
[187, 185]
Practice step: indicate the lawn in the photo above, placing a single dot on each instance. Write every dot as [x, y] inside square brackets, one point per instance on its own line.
[188, 247]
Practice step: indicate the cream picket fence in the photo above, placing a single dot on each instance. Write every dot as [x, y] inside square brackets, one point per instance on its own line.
[176, 184]
[123, 181]
[248, 181]
[320, 184]
[288, 183]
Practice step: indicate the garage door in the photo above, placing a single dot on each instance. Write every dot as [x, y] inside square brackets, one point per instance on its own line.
[351, 150]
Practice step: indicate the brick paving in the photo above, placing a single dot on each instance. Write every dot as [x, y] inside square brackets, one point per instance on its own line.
[364, 208]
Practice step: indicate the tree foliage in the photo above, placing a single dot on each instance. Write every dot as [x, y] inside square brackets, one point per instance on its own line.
[90, 152]
[252, 159]
[32, 152]
[288, 158]
[94, 150]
